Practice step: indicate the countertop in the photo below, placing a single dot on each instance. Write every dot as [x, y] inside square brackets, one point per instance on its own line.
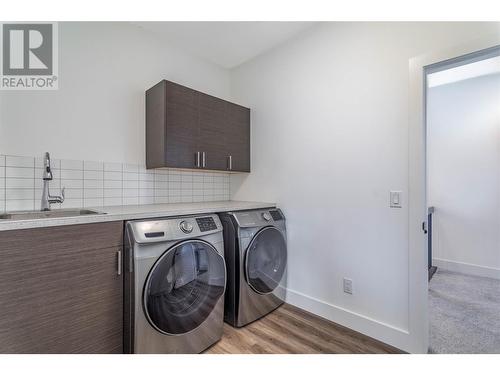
[146, 211]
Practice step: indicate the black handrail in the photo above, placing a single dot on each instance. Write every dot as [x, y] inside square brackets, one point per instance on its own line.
[432, 269]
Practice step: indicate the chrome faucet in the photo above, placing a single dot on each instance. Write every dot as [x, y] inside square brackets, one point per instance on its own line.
[47, 176]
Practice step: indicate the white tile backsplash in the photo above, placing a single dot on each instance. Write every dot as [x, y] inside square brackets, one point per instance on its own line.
[130, 176]
[99, 184]
[71, 184]
[127, 168]
[113, 184]
[19, 161]
[93, 193]
[19, 205]
[174, 193]
[11, 194]
[174, 184]
[93, 184]
[146, 176]
[19, 172]
[146, 200]
[72, 203]
[93, 166]
[146, 192]
[72, 164]
[161, 199]
[74, 193]
[175, 177]
[71, 174]
[146, 184]
[113, 175]
[19, 183]
[93, 202]
[130, 201]
[109, 201]
[131, 184]
[130, 193]
[113, 193]
[93, 175]
[113, 167]
[161, 177]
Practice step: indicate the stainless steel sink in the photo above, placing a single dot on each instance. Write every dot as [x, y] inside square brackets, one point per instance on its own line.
[31, 215]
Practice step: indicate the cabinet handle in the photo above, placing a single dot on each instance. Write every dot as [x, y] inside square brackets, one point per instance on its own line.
[230, 162]
[203, 159]
[119, 262]
[197, 159]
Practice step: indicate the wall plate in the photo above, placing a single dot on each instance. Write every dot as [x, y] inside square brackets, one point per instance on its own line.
[395, 197]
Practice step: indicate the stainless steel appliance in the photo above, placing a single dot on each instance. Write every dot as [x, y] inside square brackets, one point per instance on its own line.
[175, 278]
[256, 259]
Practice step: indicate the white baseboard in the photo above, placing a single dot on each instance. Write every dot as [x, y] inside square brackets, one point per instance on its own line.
[467, 268]
[381, 331]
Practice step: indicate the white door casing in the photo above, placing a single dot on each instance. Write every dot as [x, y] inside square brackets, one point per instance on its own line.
[417, 209]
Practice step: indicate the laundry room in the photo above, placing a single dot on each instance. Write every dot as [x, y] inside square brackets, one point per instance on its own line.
[228, 184]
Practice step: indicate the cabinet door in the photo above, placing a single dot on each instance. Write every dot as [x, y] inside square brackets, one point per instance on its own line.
[238, 137]
[212, 132]
[155, 126]
[181, 126]
[60, 291]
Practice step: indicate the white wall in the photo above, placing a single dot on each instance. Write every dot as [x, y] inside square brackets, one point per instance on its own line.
[464, 174]
[98, 111]
[329, 140]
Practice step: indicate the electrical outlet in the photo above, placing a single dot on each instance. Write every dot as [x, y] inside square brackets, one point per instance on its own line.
[347, 286]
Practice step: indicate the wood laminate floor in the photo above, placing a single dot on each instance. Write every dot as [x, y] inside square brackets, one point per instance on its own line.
[290, 330]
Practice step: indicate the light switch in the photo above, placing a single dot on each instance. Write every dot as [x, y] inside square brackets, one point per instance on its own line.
[395, 199]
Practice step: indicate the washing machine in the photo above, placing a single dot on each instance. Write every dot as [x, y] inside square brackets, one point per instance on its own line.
[175, 278]
[256, 259]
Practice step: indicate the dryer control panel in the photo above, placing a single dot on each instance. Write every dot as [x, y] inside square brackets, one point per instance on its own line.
[257, 218]
[276, 215]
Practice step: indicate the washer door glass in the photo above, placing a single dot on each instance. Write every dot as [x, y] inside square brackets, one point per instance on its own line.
[184, 286]
[265, 261]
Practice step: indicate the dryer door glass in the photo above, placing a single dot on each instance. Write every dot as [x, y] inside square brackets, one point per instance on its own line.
[265, 260]
[184, 286]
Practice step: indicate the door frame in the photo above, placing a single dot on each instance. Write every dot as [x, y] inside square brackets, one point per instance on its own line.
[417, 187]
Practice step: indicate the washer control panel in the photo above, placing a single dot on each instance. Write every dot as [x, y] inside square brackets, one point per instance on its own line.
[173, 229]
[186, 226]
[206, 223]
[266, 216]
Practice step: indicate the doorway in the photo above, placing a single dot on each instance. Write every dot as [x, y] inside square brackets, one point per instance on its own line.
[418, 332]
[420, 67]
[463, 194]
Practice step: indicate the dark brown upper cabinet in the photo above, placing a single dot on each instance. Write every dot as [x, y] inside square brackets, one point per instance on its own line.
[186, 128]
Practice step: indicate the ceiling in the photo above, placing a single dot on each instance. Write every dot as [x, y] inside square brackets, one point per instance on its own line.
[227, 44]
